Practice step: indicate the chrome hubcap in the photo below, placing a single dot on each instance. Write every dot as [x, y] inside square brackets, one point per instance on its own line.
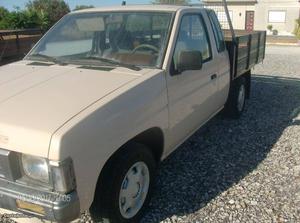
[241, 98]
[134, 190]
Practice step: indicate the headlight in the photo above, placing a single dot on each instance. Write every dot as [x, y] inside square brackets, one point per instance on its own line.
[59, 175]
[36, 168]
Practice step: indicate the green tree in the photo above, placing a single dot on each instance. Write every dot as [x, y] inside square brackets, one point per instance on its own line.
[172, 2]
[4, 13]
[22, 19]
[80, 7]
[48, 11]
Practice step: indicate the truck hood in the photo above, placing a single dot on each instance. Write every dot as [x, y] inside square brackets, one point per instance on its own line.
[37, 99]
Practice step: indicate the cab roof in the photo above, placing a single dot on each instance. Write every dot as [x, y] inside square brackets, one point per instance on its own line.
[153, 7]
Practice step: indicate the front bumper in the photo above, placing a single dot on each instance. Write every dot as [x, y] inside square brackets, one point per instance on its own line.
[58, 208]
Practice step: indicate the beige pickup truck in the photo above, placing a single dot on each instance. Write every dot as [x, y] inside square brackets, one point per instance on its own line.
[105, 96]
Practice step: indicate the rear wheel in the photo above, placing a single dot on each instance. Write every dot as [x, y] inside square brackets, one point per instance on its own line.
[237, 99]
[127, 186]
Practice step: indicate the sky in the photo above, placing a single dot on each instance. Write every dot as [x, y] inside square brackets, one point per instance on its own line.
[10, 4]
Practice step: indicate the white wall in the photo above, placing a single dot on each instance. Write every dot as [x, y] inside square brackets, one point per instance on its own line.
[239, 15]
[262, 15]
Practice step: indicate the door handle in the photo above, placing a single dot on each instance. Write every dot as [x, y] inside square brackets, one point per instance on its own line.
[214, 76]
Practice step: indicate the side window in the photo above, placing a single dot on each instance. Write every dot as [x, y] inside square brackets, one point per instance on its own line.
[192, 36]
[217, 31]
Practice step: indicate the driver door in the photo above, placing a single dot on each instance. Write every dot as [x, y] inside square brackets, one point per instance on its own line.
[191, 93]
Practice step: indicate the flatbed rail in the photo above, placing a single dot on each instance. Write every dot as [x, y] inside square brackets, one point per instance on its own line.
[246, 51]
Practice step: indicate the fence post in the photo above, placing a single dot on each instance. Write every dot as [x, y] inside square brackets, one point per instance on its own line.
[17, 42]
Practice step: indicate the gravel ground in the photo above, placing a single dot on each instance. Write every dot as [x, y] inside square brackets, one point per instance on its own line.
[245, 170]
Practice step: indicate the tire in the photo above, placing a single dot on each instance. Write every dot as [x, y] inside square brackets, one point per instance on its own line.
[123, 184]
[235, 104]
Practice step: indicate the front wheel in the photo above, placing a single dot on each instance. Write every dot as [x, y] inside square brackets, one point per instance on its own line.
[127, 186]
[237, 99]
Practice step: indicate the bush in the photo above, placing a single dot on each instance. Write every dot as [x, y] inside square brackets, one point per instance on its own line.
[80, 7]
[20, 20]
[37, 14]
[297, 29]
[275, 32]
[173, 2]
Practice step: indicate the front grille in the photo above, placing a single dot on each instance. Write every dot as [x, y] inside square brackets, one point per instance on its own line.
[9, 168]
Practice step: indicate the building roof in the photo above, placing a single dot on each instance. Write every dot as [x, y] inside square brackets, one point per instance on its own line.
[232, 2]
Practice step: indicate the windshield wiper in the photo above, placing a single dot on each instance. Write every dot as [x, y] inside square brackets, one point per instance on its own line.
[113, 62]
[47, 58]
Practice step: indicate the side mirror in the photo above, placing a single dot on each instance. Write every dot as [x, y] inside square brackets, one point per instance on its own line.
[189, 60]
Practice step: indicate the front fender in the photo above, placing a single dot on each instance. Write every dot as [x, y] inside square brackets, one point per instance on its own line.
[95, 134]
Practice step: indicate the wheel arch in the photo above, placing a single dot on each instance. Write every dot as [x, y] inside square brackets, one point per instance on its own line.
[153, 138]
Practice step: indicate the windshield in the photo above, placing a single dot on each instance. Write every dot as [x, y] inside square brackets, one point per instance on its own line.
[127, 38]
